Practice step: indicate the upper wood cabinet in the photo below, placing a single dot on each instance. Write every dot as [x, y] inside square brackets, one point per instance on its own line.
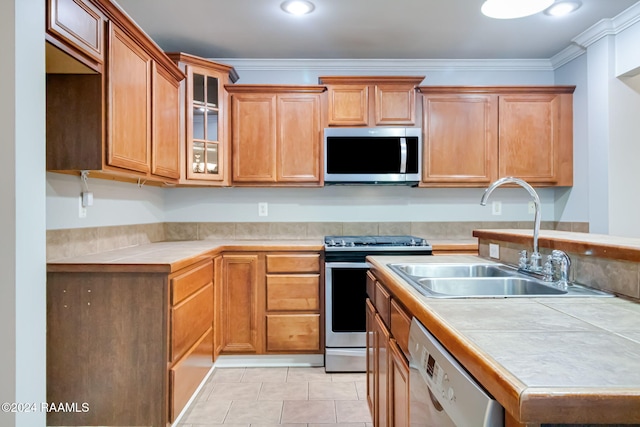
[276, 135]
[205, 150]
[474, 135]
[122, 123]
[371, 100]
[77, 28]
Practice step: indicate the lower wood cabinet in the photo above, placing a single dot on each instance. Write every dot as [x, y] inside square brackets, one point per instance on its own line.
[387, 366]
[271, 303]
[133, 345]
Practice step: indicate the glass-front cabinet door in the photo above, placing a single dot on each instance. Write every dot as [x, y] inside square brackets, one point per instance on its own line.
[204, 130]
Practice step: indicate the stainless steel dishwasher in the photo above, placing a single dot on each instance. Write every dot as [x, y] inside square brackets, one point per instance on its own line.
[442, 393]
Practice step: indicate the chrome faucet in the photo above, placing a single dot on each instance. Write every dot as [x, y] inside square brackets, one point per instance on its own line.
[534, 262]
[562, 259]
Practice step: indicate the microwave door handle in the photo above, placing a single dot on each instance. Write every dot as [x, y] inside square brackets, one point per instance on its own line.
[403, 155]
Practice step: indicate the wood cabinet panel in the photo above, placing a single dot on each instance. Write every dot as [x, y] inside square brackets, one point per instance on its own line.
[400, 325]
[395, 104]
[348, 105]
[218, 315]
[382, 369]
[253, 133]
[186, 375]
[530, 137]
[80, 24]
[243, 323]
[459, 138]
[293, 263]
[293, 292]
[129, 95]
[371, 361]
[165, 122]
[299, 138]
[399, 396]
[189, 319]
[184, 284]
[382, 302]
[371, 287]
[293, 332]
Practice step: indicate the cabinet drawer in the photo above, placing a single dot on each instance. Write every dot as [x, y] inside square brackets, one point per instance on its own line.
[78, 23]
[186, 375]
[293, 292]
[293, 332]
[371, 287]
[187, 283]
[293, 263]
[382, 302]
[400, 324]
[190, 319]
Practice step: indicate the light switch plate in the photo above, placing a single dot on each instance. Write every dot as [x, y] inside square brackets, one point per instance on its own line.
[496, 208]
[494, 250]
[263, 209]
[532, 208]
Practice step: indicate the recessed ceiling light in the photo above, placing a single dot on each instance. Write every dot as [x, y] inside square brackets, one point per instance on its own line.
[297, 7]
[509, 9]
[563, 8]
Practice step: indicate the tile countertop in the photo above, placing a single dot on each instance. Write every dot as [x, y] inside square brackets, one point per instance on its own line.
[168, 257]
[546, 360]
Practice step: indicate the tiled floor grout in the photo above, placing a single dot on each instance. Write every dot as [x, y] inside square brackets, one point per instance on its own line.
[215, 405]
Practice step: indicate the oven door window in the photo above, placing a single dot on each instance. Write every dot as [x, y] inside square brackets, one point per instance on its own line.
[348, 296]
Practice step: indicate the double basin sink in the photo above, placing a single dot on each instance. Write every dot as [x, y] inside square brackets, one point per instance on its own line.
[483, 281]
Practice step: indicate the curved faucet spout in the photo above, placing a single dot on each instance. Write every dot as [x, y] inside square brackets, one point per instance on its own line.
[535, 256]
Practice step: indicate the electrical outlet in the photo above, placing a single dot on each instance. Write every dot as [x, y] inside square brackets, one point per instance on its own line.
[82, 210]
[496, 208]
[494, 250]
[532, 208]
[263, 209]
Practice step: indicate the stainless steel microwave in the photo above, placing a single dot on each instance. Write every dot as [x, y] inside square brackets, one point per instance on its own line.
[372, 155]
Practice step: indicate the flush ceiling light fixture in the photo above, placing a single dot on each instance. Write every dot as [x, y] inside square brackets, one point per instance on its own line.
[509, 9]
[563, 8]
[297, 7]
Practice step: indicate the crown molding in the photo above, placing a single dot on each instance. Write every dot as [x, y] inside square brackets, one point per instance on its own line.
[566, 55]
[607, 27]
[402, 66]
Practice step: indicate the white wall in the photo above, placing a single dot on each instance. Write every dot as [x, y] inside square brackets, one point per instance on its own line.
[22, 211]
[345, 204]
[115, 203]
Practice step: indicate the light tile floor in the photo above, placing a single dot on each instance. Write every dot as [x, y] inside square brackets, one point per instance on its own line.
[273, 397]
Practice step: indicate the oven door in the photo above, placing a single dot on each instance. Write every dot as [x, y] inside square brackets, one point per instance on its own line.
[345, 299]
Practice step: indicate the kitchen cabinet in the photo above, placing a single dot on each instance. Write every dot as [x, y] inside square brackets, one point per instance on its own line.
[387, 365]
[204, 131]
[475, 135]
[371, 100]
[117, 334]
[271, 303]
[276, 135]
[243, 323]
[76, 27]
[293, 303]
[122, 123]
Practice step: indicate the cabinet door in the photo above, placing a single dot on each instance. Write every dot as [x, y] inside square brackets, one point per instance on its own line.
[371, 361]
[460, 139]
[165, 150]
[395, 105]
[399, 397]
[242, 324]
[218, 306]
[381, 401]
[299, 138]
[348, 105]
[254, 137]
[530, 137]
[78, 24]
[128, 100]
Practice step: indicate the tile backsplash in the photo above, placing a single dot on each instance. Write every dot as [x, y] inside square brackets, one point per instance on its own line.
[81, 241]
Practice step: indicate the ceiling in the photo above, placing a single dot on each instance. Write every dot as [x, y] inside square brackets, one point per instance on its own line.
[360, 29]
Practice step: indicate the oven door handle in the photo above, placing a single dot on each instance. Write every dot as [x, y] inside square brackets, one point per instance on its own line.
[329, 265]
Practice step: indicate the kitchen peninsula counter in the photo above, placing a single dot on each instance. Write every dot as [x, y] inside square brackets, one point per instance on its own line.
[546, 360]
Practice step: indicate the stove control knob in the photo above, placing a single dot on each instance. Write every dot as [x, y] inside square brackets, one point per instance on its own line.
[332, 242]
[412, 242]
[343, 243]
[352, 244]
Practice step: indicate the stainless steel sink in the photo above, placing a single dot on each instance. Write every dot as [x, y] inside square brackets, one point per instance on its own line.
[488, 286]
[448, 280]
[454, 270]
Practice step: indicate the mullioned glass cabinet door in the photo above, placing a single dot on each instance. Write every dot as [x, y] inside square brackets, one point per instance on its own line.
[204, 131]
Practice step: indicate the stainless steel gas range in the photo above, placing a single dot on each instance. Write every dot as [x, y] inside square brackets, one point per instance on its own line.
[345, 292]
